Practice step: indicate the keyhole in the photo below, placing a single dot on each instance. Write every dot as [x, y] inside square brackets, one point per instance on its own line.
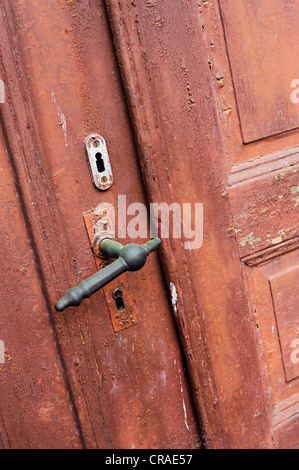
[118, 297]
[100, 162]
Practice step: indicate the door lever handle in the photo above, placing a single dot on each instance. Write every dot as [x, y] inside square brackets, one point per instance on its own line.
[131, 257]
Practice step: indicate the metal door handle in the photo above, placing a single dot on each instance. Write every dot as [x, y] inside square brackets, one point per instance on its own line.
[131, 257]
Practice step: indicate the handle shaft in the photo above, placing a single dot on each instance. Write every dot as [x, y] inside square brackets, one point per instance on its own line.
[152, 245]
[73, 297]
[131, 257]
[110, 248]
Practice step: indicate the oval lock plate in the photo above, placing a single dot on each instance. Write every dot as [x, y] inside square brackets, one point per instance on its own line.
[99, 163]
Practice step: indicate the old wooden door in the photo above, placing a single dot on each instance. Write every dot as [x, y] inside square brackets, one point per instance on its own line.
[69, 380]
[213, 93]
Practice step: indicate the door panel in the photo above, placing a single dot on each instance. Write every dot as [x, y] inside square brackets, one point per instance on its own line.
[216, 98]
[263, 189]
[129, 389]
[226, 80]
[275, 306]
[285, 302]
[263, 68]
[183, 162]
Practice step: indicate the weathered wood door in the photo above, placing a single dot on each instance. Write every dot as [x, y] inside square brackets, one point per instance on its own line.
[68, 379]
[213, 113]
[213, 93]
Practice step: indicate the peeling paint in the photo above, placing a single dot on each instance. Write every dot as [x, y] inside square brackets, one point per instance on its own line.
[82, 337]
[181, 384]
[280, 176]
[2, 352]
[99, 373]
[174, 298]
[295, 189]
[163, 377]
[62, 122]
[276, 240]
[249, 239]
[296, 200]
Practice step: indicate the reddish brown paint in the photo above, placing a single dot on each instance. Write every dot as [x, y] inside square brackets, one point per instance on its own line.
[271, 284]
[35, 410]
[285, 298]
[112, 390]
[263, 197]
[263, 68]
[182, 83]
[190, 159]
[219, 47]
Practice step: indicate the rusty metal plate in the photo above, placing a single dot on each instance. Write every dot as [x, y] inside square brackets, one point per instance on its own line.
[99, 224]
[121, 308]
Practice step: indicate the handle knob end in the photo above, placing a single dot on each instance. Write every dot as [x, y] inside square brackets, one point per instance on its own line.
[72, 298]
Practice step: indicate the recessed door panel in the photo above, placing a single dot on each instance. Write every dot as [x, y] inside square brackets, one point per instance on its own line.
[262, 42]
